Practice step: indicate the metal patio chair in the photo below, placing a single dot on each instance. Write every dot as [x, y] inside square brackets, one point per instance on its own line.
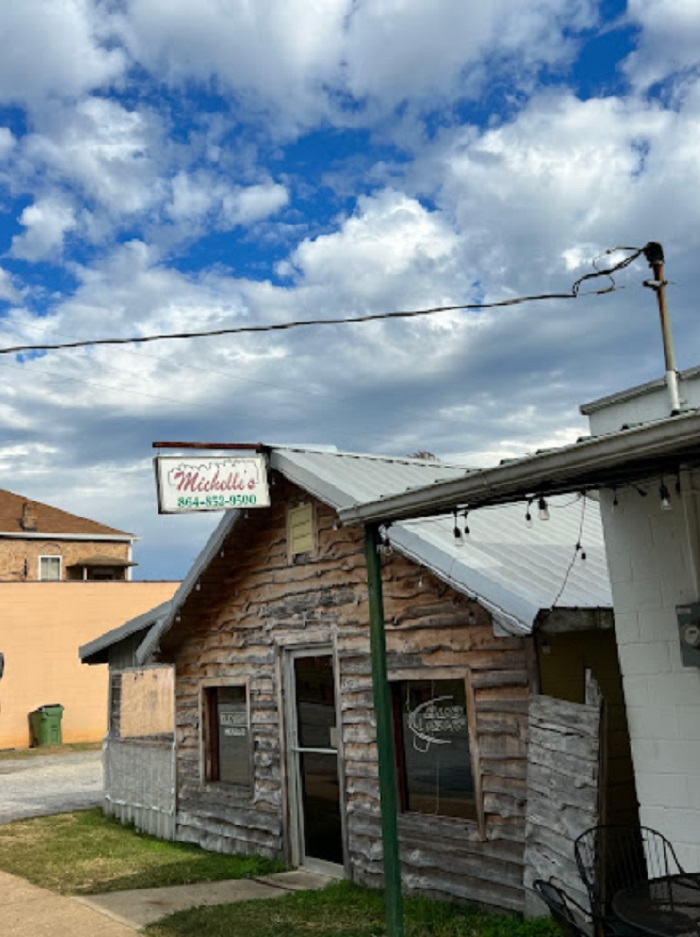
[574, 920]
[614, 856]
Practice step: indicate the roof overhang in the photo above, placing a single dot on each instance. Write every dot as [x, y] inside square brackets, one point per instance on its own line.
[49, 535]
[97, 651]
[107, 562]
[629, 456]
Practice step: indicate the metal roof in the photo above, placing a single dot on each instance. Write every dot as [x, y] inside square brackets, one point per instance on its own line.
[342, 479]
[514, 570]
[96, 652]
[612, 460]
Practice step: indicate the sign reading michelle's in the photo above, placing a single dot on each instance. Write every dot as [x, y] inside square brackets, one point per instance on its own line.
[210, 483]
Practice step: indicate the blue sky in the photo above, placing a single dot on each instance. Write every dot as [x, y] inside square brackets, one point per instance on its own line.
[169, 166]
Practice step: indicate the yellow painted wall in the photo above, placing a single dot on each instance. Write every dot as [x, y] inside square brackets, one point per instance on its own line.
[42, 625]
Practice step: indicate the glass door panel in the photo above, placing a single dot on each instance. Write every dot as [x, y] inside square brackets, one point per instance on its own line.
[317, 757]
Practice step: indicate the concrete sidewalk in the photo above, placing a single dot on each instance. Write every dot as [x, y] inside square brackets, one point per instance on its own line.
[28, 910]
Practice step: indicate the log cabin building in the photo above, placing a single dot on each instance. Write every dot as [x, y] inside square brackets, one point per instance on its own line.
[274, 744]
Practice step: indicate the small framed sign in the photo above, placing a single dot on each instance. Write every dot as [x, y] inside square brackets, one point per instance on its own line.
[210, 483]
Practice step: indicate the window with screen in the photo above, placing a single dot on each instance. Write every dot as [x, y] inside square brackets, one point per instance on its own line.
[435, 765]
[229, 753]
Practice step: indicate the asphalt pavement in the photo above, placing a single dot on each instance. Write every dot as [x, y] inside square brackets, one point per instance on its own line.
[40, 785]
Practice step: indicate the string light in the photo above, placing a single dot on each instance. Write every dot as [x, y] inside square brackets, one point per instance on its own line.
[615, 501]
[542, 509]
[665, 497]
[528, 514]
[384, 547]
[467, 530]
[459, 540]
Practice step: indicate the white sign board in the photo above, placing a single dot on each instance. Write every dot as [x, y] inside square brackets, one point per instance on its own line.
[210, 483]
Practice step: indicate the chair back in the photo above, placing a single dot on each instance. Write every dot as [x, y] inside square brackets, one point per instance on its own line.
[615, 856]
[574, 923]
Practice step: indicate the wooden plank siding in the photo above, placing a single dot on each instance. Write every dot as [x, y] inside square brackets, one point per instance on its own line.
[563, 784]
[253, 602]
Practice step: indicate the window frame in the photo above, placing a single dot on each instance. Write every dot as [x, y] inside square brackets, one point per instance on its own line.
[396, 682]
[210, 753]
[50, 556]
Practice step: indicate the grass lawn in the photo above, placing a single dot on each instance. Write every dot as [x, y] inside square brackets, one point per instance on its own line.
[86, 853]
[343, 910]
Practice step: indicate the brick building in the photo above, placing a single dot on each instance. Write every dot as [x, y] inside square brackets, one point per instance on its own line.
[40, 542]
[64, 580]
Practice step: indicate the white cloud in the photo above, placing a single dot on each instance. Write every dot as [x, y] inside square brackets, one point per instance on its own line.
[253, 203]
[54, 48]
[670, 40]
[280, 53]
[301, 60]
[7, 289]
[203, 195]
[389, 237]
[46, 223]
[111, 154]
[416, 51]
[7, 142]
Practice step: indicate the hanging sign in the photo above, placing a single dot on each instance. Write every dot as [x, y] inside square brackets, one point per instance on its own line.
[210, 483]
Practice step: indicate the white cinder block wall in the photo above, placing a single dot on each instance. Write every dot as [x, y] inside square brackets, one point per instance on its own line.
[654, 563]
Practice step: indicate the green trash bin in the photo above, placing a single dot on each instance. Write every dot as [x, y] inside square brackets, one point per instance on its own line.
[45, 725]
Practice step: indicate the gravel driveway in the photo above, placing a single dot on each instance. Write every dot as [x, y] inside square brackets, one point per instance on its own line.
[45, 784]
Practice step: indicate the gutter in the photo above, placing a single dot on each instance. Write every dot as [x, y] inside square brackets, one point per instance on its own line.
[555, 470]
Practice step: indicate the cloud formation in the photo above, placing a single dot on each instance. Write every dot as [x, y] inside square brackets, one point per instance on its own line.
[169, 167]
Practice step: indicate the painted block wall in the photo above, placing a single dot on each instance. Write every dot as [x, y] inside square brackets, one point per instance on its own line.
[43, 625]
[653, 562]
[641, 404]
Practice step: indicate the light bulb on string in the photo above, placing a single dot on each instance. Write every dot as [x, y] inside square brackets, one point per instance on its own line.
[528, 514]
[459, 540]
[664, 497]
[542, 509]
[467, 529]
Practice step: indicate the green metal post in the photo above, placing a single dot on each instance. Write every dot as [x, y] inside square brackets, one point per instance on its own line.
[385, 737]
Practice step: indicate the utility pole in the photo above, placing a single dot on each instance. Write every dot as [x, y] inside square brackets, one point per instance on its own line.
[654, 254]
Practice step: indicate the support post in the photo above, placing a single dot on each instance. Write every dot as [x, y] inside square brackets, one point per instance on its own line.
[385, 737]
[654, 254]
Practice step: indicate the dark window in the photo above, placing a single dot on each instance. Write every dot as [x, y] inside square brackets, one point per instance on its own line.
[435, 772]
[228, 742]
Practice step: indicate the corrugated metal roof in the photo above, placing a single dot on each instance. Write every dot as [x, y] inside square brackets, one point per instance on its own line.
[345, 478]
[517, 570]
[513, 570]
[96, 652]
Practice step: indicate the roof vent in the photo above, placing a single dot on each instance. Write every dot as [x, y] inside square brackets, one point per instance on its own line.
[29, 521]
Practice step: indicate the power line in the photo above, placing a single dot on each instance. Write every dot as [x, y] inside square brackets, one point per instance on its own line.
[345, 320]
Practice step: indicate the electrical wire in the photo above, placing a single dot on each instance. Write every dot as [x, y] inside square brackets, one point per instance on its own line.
[343, 320]
[577, 549]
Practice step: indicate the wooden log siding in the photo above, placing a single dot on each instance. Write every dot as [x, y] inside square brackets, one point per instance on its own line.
[252, 602]
[563, 773]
